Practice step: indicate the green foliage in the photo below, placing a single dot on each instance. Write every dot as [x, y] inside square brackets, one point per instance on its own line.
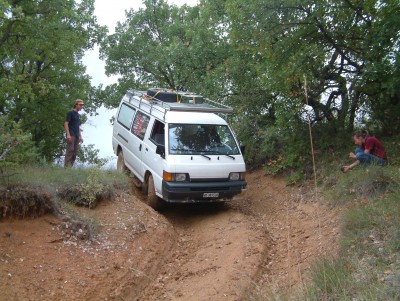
[87, 154]
[77, 225]
[16, 146]
[25, 201]
[92, 188]
[321, 47]
[392, 147]
[168, 46]
[89, 193]
[368, 267]
[334, 64]
[53, 178]
[32, 191]
[366, 183]
[331, 279]
[328, 43]
[41, 74]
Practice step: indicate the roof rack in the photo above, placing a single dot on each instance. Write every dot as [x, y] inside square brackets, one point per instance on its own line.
[155, 106]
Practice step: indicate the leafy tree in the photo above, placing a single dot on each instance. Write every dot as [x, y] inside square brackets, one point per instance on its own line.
[281, 64]
[338, 46]
[89, 155]
[164, 45]
[16, 147]
[41, 74]
[346, 51]
[382, 72]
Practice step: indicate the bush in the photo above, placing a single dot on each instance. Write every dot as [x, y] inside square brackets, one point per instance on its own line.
[16, 146]
[32, 191]
[369, 265]
[87, 194]
[25, 201]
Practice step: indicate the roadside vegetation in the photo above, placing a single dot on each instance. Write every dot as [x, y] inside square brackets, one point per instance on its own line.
[368, 264]
[328, 66]
[33, 191]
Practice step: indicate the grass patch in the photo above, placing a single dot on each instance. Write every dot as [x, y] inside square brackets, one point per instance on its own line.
[52, 177]
[369, 263]
[25, 201]
[330, 280]
[90, 192]
[76, 225]
[363, 184]
[84, 187]
[35, 191]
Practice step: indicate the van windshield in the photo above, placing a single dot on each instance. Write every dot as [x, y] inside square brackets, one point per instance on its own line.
[200, 139]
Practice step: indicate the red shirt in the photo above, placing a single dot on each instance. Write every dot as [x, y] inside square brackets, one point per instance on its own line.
[375, 147]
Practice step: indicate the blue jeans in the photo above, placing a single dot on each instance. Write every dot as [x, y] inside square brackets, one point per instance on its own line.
[367, 159]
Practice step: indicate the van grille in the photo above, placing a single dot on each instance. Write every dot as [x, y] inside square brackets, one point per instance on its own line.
[208, 180]
[210, 189]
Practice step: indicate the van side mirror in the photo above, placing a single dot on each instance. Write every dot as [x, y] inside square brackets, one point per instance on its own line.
[160, 150]
[242, 149]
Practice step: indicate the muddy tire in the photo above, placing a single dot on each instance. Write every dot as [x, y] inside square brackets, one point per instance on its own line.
[152, 199]
[121, 163]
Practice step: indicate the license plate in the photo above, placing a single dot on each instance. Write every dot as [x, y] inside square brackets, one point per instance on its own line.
[210, 195]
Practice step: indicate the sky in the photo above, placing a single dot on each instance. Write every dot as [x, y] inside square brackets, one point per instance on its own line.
[98, 129]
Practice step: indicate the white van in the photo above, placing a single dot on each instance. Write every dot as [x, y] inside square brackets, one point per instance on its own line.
[178, 152]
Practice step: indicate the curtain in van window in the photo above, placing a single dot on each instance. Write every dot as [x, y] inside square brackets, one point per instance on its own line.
[140, 125]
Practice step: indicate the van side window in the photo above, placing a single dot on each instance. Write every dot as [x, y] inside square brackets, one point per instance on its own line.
[125, 116]
[158, 133]
[140, 124]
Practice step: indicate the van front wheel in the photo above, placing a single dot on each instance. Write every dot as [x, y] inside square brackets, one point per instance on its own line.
[121, 163]
[152, 199]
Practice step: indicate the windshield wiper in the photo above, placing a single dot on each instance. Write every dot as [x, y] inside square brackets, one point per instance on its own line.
[202, 153]
[193, 152]
[205, 156]
[220, 154]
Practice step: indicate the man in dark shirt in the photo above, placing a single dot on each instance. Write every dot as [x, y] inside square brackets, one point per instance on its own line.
[72, 129]
[370, 151]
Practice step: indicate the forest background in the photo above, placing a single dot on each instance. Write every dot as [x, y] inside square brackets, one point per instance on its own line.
[284, 66]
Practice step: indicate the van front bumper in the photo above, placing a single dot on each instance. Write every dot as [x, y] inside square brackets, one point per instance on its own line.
[186, 192]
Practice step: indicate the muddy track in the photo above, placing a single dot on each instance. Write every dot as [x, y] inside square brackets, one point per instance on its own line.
[217, 255]
[263, 241]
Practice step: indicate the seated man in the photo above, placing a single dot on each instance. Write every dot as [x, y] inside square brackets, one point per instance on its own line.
[370, 151]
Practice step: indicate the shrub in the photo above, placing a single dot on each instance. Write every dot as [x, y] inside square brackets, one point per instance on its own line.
[25, 201]
[16, 146]
[89, 193]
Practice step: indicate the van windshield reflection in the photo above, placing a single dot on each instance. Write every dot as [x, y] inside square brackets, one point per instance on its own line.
[201, 139]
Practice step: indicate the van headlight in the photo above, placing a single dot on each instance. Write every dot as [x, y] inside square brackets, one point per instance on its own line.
[236, 176]
[175, 177]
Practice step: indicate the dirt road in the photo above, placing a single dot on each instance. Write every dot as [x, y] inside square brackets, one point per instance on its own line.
[263, 241]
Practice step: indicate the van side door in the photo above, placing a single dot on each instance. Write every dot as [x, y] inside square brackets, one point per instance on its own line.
[138, 130]
[151, 160]
[121, 132]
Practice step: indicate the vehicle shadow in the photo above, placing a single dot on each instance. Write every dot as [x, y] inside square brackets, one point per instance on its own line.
[189, 213]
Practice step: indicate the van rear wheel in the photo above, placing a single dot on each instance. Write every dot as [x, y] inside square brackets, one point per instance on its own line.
[152, 199]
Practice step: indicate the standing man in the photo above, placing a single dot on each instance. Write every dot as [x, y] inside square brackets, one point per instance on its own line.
[72, 129]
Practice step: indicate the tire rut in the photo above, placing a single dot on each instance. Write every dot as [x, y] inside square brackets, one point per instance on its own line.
[263, 242]
[216, 257]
